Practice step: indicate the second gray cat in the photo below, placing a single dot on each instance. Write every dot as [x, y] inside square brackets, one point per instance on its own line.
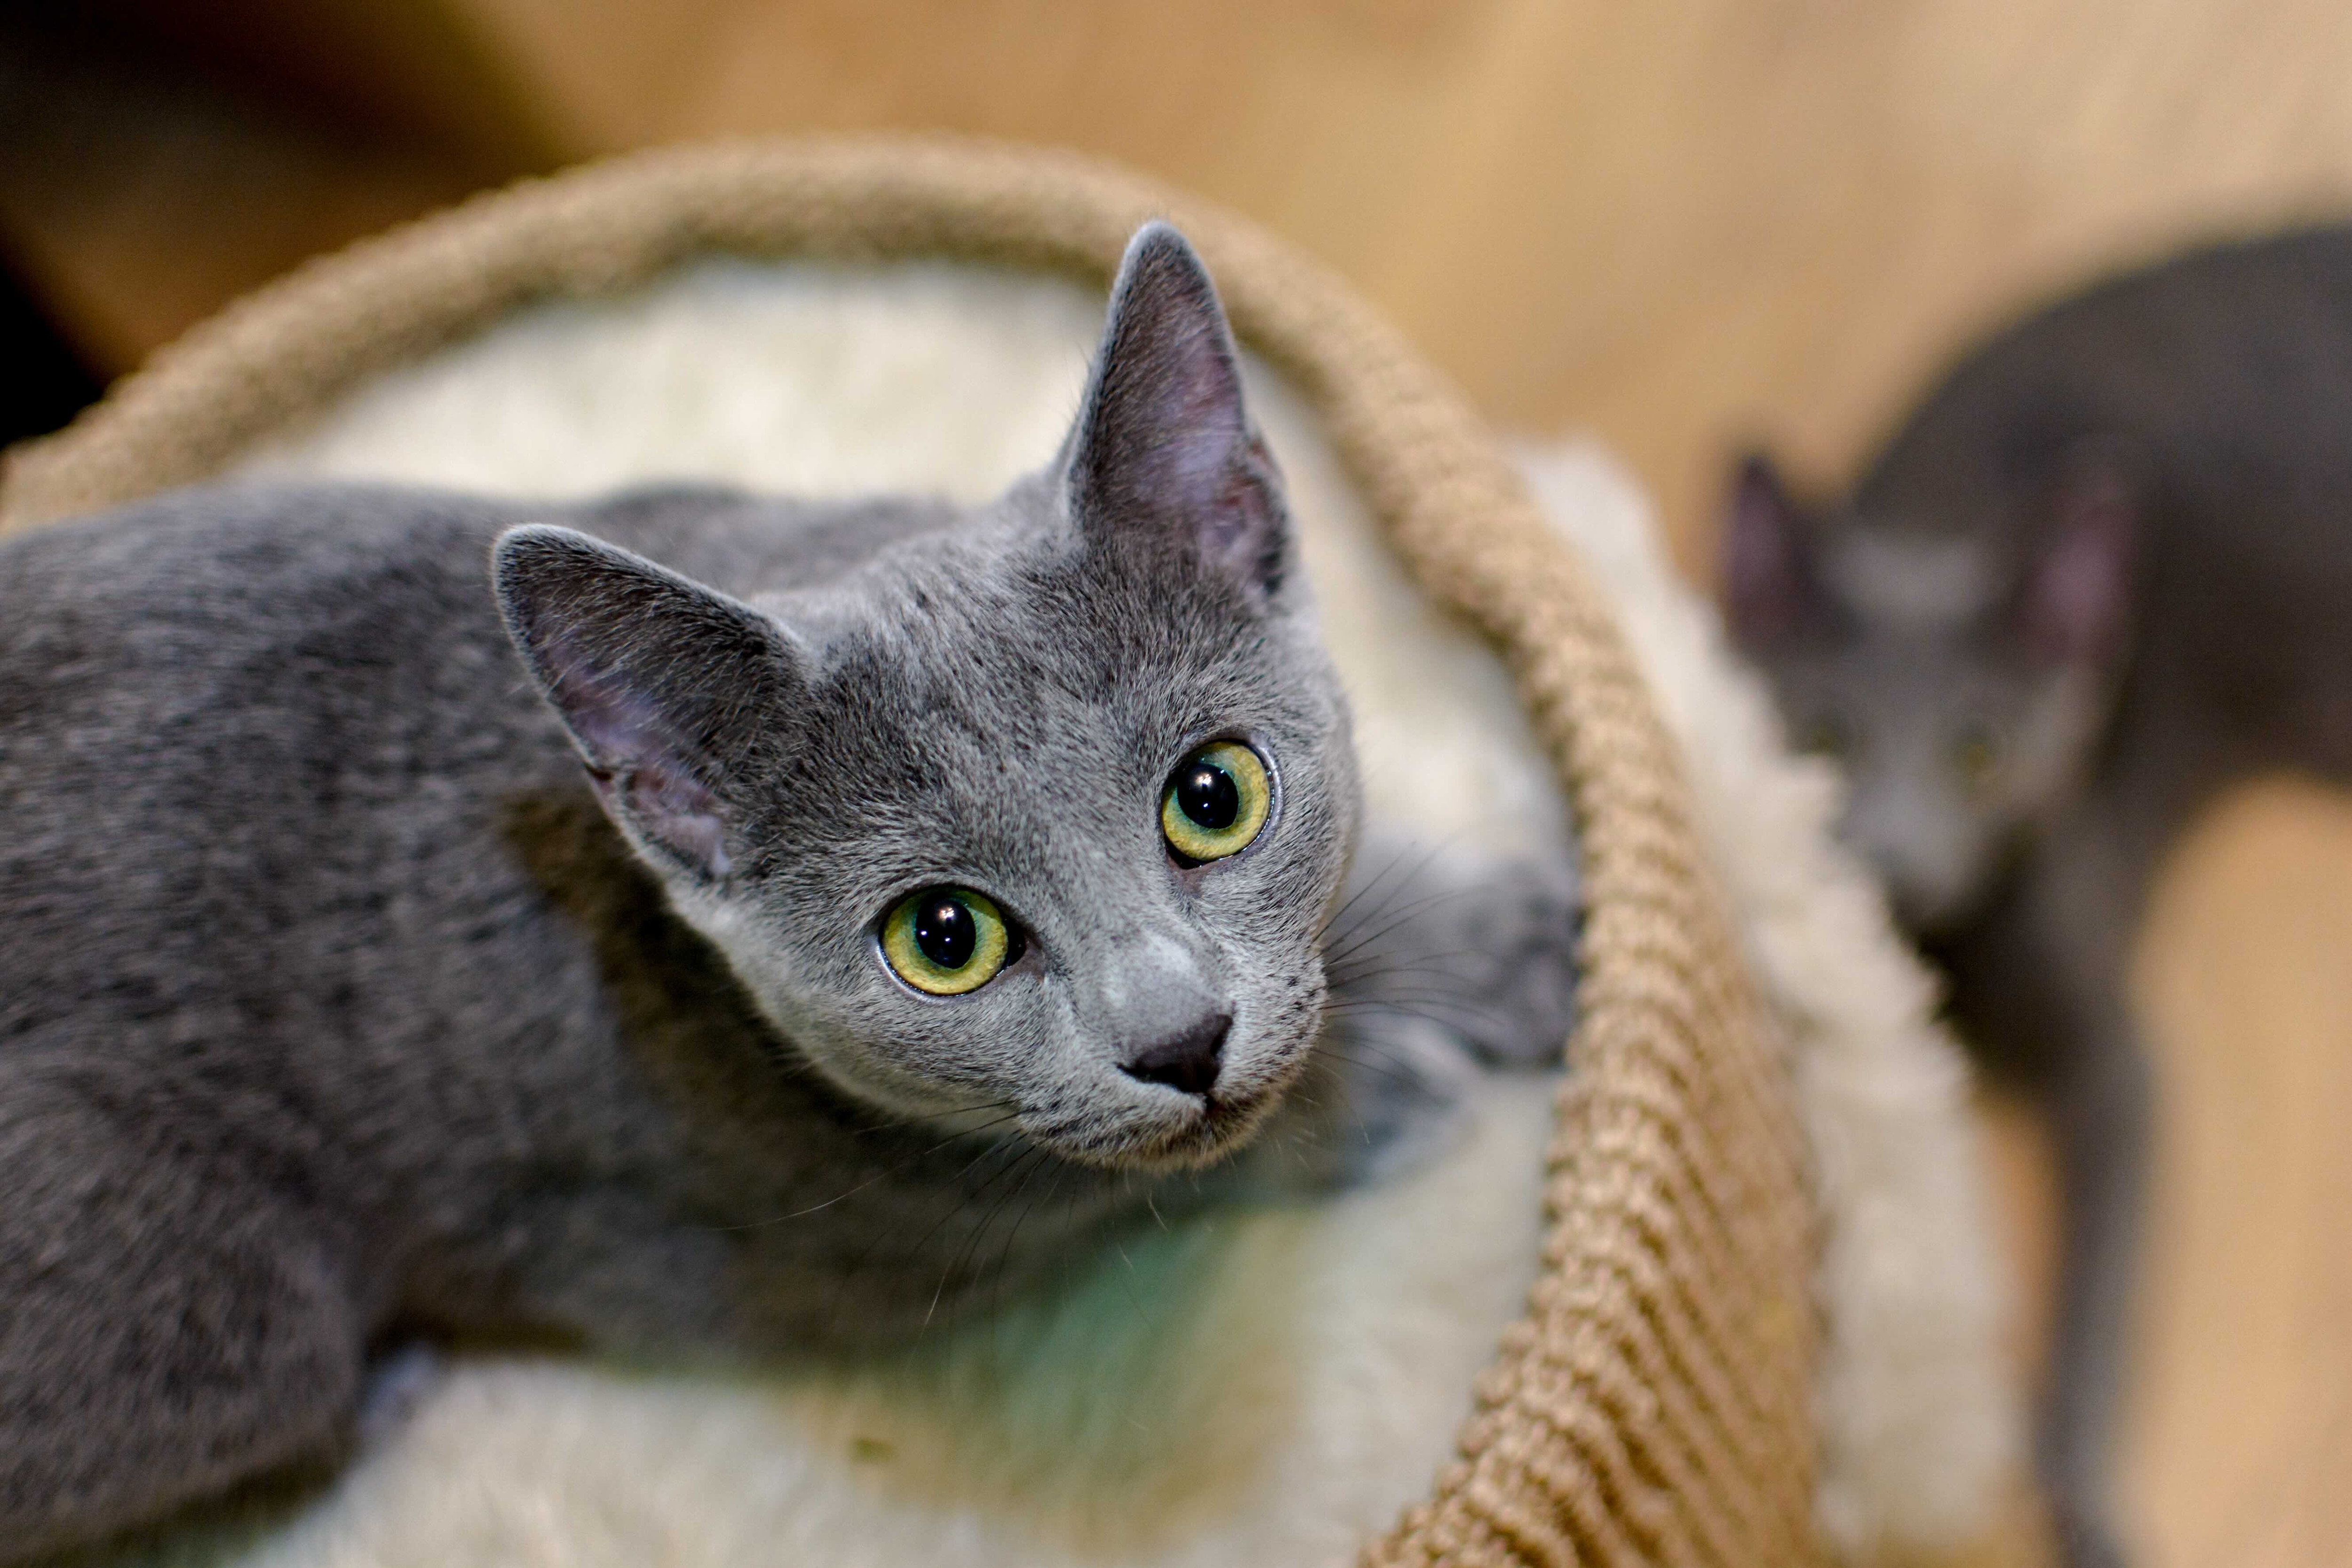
[2102, 572]
[922, 858]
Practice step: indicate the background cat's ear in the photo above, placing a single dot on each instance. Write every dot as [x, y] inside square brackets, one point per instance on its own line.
[1163, 453]
[2075, 601]
[1771, 590]
[662, 683]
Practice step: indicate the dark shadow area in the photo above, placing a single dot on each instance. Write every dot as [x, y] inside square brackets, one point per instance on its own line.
[46, 382]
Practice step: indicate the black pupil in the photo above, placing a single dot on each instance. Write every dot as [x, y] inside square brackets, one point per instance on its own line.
[1207, 794]
[945, 931]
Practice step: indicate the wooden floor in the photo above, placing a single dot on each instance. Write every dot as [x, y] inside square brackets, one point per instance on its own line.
[1684, 224]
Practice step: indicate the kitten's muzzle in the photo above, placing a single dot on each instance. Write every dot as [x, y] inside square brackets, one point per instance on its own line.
[1219, 1128]
[1187, 1061]
[1217, 1113]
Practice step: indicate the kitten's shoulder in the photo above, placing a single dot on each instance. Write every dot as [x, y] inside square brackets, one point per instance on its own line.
[206, 576]
[193, 541]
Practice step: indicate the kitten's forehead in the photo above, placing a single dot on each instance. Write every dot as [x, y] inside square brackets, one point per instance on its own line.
[1912, 583]
[964, 669]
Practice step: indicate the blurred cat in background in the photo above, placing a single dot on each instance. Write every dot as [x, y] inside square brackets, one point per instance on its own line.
[2101, 571]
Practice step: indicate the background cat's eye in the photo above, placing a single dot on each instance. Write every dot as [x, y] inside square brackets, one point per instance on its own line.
[947, 941]
[1216, 801]
[1976, 757]
[1825, 735]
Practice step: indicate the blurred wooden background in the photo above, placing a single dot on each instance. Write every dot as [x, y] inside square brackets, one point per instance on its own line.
[1682, 225]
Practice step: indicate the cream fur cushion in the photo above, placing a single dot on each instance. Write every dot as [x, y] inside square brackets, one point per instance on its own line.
[1255, 1388]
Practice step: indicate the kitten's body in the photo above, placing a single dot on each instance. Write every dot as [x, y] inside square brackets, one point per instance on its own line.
[335, 996]
[2102, 572]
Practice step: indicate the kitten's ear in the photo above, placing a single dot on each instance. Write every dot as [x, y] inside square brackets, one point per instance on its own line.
[2075, 602]
[1770, 591]
[662, 683]
[1163, 454]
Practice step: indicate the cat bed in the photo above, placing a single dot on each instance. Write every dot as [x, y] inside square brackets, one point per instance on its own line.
[1719, 1294]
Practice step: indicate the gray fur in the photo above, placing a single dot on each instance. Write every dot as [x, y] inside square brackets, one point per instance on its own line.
[2098, 575]
[338, 1000]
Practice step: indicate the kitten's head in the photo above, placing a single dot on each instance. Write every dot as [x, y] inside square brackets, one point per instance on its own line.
[1958, 657]
[1031, 823]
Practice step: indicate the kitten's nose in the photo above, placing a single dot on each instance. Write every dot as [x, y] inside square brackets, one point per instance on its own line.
[1185, 1062]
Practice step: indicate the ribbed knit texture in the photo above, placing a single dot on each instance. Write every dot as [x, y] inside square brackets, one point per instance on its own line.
[1655, 1402]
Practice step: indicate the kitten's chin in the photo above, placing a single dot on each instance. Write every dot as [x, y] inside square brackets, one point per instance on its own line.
[1215, 1134]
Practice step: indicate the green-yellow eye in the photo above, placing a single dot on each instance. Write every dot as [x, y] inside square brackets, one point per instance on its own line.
[1216, 801]
[1976, 755]
[946, 940]
[1825, 735]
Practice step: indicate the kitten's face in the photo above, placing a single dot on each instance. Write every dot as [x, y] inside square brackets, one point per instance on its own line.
[1962, 683]
[976, 889]
[1034, 823]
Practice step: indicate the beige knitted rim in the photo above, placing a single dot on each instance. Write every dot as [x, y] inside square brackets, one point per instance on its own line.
[1653, 1403]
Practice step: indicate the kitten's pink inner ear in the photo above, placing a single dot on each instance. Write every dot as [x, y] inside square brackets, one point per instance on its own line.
[2077, 594]
[1163, 448]
[614, 725]
[670, 804]
[1198, 405]
[1767, 585]
[658, 679]
[641, 774]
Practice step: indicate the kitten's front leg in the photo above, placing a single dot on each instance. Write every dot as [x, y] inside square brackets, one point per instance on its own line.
[1439, 963]
[170, 1324]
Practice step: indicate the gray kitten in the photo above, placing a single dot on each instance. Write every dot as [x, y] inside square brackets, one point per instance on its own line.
[2101, 571]
[927, 864]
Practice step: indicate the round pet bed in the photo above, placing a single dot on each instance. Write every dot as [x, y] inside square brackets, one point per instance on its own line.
[1759, 1326]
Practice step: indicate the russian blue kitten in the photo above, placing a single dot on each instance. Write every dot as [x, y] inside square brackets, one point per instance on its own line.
[2101, 571]
[922, 858]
